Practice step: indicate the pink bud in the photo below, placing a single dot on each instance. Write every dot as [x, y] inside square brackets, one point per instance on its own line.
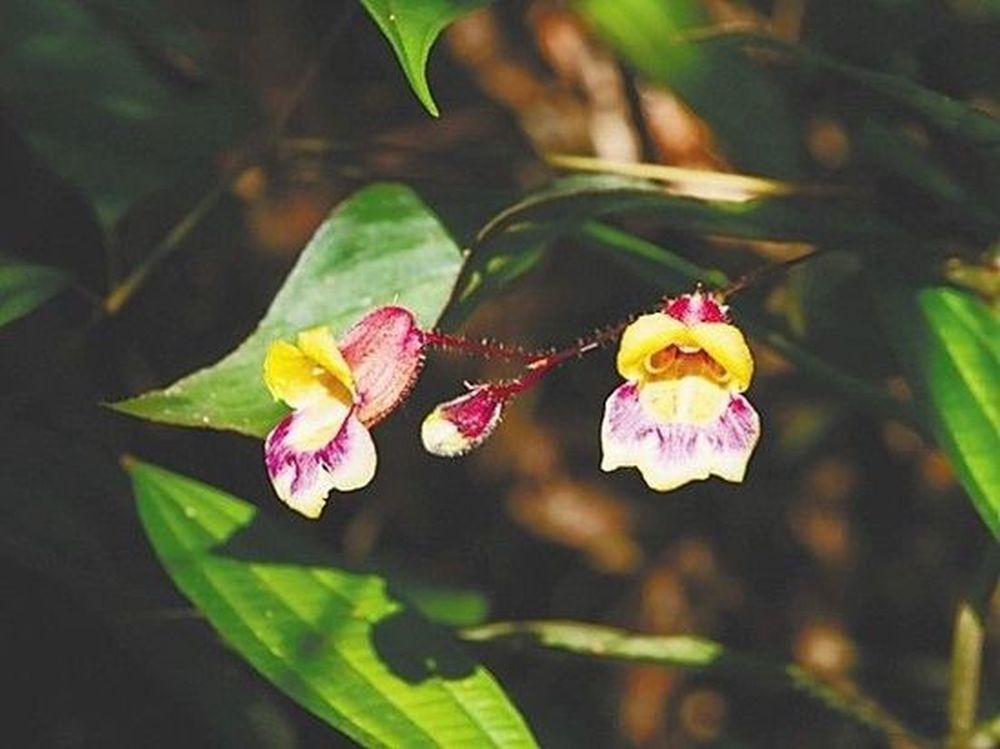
[459, 425]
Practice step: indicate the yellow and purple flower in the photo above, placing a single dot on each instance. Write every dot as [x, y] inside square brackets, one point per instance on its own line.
[680, 415]
[337, 391]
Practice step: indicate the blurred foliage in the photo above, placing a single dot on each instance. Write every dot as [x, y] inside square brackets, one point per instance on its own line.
[24, 286]
[167, 161]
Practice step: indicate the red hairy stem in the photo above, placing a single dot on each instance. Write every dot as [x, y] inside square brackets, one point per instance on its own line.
[485, 348]
[539, 366]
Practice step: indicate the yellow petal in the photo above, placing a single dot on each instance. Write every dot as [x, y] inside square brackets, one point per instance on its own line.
[290, 375]
[654, 332]
[319, 345]
[727, 346]
[643, 338]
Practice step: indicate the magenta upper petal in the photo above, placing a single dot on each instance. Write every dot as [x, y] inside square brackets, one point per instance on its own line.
[385, 352]
[696, 308]
[303, 477]
[670, 455]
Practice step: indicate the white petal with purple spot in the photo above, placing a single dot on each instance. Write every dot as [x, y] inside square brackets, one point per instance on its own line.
[670, 454]
[312, 451]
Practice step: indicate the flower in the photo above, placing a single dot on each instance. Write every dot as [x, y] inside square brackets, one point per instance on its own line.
[336, 392]
[457, 426]
[680, 416]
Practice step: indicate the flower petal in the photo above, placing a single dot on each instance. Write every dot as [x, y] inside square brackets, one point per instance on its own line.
[695, 308]
[646, 336]
[288, 374]
[385, 353]
[311, 372]
[652, 333]
[320, 346]
[727, 346]
[455, 427]
[670, 455]
[313, 451]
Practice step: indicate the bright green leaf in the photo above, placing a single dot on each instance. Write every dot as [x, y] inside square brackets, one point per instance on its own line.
[949, 344]
[381, 246]
[24, 287]
[339, 643]
[412, 26]
[91, 85]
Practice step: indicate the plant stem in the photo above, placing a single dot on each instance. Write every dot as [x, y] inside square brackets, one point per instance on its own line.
[485, 348]
[694, 653]
[967, 651]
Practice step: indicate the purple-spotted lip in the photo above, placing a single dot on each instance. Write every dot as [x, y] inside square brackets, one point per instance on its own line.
[671, 454]
[303, 478]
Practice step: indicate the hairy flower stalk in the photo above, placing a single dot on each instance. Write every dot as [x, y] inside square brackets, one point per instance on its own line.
[457, 426]
[679, 416]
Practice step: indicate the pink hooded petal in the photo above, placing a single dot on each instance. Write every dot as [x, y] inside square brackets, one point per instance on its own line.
[385, 352]
[670, 455]
[695, 308]
[304, 475]
[459, 425]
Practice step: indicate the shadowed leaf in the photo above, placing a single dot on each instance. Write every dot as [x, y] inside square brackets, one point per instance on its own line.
[25, 287]
[339, 643]
[97, 99]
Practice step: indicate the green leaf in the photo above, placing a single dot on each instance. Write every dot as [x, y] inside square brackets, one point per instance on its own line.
[339, 643]
[381, 246]
[100, 100]
[949, 344]
[25, 287]
[691, 653]
[412, 26]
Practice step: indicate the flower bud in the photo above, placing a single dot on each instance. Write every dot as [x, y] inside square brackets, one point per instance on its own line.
[457, 426]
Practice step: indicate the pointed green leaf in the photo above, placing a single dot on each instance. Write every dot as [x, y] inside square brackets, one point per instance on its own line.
[412, 26]
[24, 287]
[339, 643]
[949, 344]
[381, 246]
